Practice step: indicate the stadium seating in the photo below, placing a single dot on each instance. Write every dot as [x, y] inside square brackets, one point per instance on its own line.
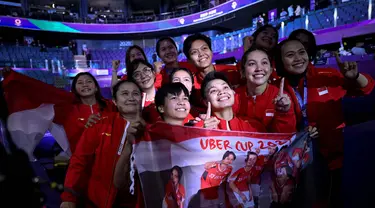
[32, 57]
[349, 12]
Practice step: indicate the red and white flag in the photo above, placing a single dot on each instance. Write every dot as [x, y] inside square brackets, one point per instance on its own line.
[31, 111]
[202, 157]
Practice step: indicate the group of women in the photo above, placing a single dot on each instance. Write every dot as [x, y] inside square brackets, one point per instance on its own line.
[274, 88]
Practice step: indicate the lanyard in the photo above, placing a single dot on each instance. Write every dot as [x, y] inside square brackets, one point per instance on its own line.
[302, 103]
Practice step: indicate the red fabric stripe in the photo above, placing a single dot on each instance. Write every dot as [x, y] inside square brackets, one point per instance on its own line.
[183, 133]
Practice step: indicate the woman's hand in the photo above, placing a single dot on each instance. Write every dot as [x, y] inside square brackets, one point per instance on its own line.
[248, 41]
[93, 118]
[282, 101]
[313, 132]
[348, 69]
[158, 66]
[136, 129]
[115, 66]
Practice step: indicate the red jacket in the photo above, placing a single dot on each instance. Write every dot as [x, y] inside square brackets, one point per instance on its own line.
[326, 88]
[92, 166]
[237, 124]
[231, 73]
[164, 78]
[23, 93]
[262, 109]
[74, 117]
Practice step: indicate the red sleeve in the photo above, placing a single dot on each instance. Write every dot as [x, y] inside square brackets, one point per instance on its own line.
[284, 122]
[168, 189]
[355, 91]
[111, 107]
[158, 80]
[182, 190]
[352, 89]
[80, 165]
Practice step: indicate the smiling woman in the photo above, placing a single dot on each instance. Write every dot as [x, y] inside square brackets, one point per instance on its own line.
[218, 94]
[256, 100]
[143, 73]
[172, 103]
[103, 159]
[87, 109]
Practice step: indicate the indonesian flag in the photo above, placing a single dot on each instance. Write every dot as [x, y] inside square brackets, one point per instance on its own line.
[207, 158]
[31, 111]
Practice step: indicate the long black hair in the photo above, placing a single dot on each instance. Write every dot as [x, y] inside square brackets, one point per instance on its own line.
[98, 95]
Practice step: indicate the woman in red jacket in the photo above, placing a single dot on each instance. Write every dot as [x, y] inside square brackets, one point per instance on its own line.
[317, 95]
[174, 190]
[220, 98]
[198, 50]
[85, 111]
[167, 51]
[260, 101]
[143, 73]
[92, 173]
[73, 110]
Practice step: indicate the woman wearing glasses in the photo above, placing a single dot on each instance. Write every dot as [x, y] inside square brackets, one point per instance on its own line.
[142, 73]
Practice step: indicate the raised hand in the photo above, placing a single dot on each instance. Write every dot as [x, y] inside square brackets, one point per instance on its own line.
[348, 69]
[115, 65]
[210, 122]
[248, 41]
[158, 66]
[93, 118]
[282, 101]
